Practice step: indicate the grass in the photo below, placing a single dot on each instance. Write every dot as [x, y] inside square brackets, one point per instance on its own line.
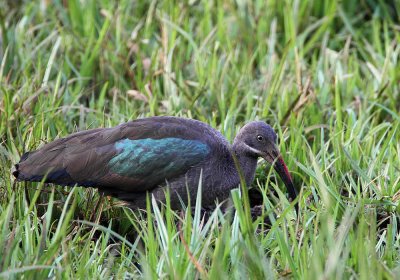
[325, 74]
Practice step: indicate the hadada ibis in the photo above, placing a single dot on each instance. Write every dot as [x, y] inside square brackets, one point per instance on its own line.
[149, 154]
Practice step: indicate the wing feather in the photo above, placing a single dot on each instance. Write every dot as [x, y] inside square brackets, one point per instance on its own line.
[134, 157]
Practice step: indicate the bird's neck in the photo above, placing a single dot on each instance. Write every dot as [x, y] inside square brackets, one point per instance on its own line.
[247, 164]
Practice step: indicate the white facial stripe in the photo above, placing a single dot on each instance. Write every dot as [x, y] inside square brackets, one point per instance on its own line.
[257, 152]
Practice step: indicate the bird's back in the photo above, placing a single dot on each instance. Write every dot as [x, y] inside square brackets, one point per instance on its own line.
[133, 157]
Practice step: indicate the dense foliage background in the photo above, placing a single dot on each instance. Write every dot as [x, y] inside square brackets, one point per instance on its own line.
[325, 74]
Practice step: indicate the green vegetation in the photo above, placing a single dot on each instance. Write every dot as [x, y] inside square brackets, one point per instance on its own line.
[325, 74]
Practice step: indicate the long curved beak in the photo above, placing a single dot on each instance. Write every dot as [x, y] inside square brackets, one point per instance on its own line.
[283, 172]
[281, 168]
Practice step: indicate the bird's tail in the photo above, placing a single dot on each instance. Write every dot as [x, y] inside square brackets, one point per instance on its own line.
[16, 172]
[36, 167]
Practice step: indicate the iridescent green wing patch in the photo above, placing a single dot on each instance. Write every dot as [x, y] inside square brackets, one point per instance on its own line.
[158, 158]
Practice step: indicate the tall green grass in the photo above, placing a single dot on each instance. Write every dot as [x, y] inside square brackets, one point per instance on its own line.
[325, 74]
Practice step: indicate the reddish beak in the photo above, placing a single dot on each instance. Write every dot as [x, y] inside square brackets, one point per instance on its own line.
[283, 172]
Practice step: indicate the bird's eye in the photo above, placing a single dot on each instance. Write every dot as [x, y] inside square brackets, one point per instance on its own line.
[260, 138]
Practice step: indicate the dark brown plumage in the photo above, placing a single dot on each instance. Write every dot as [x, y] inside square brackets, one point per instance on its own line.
[148, 154]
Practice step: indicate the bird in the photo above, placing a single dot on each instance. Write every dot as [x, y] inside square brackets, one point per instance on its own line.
[147, 156]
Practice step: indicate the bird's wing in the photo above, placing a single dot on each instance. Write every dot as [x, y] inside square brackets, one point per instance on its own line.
[132, 157]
